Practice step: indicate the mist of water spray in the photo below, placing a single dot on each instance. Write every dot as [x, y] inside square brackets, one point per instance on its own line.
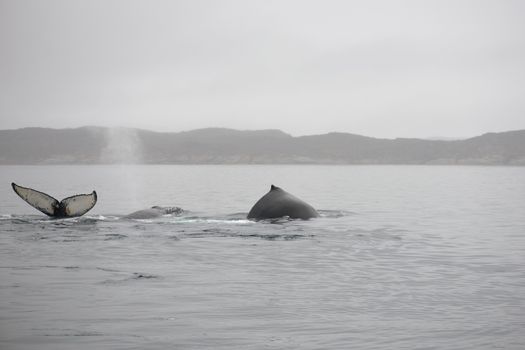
[124, 150]
[123, 146]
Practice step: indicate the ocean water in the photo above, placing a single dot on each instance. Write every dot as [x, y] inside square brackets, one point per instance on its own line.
[402, 257]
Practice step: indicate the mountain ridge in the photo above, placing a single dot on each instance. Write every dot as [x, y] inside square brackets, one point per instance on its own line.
[101, 145]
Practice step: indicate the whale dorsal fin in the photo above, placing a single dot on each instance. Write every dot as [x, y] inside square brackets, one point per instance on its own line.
[273, 188]
[79, 204]
[38, 200]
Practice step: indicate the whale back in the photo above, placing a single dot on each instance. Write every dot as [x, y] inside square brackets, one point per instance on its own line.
[154, 212]
[279, 203]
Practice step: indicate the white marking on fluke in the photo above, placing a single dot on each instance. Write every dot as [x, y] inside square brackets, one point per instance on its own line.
[73, 206]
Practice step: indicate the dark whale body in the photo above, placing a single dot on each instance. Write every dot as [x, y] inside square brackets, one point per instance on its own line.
[278, 203]
[154, 212]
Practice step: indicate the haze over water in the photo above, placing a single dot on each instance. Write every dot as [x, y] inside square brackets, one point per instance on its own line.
[402, 257]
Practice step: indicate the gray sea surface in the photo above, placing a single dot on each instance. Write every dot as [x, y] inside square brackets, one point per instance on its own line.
[402, 257]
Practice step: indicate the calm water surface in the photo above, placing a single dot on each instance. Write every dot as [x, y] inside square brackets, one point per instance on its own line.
[403, 257]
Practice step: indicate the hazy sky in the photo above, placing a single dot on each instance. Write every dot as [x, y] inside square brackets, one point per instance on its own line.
[377, 68]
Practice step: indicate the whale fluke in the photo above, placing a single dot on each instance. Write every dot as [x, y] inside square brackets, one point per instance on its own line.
[76, 205]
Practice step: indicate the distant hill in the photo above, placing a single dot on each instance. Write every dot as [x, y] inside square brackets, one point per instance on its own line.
[97, 145]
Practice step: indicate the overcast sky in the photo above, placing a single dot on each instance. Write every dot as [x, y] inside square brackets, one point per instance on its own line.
[377, 68]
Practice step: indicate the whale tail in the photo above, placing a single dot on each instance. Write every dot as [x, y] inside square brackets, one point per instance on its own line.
[72, 206]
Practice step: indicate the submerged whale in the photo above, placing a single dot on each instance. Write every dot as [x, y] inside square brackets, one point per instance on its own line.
[154, 212]
[76, 205]
[278, 203]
